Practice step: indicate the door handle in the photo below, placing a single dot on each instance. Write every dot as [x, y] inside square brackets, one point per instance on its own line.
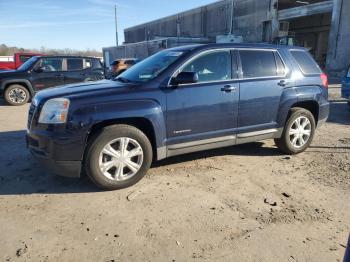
[229, 88]
[282, 83]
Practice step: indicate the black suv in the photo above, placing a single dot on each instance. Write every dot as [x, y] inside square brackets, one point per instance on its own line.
[40, 72]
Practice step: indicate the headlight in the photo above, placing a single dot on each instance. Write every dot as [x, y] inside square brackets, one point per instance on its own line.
[54, 111]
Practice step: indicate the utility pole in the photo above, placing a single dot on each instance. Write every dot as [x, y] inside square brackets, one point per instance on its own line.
[116, 24]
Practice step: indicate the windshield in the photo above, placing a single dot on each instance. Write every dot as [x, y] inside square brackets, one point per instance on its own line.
[27, 65]
[150, 68]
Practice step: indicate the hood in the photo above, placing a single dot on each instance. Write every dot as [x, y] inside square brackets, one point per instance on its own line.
[10, 73]
[82, 89]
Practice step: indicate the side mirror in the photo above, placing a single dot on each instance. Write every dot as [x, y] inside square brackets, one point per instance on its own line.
[40, 69]
[185, 78]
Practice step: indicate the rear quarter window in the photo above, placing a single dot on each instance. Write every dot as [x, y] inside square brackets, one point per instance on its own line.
[306, 63]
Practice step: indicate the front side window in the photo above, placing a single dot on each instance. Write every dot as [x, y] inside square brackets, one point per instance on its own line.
[74, 64]
[51, 64]
[151, 67]
[213, 66]
[258, 63]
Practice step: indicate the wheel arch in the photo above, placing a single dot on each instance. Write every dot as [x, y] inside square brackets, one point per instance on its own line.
[23, 82]
[310, 105]
[141, 123]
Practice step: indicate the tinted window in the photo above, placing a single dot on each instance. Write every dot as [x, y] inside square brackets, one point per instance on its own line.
[74, 64]
[96, 63]
[306, 63]
[130, 62]
[214, 66]
[50, 64]
[256, 63]
[281, 70]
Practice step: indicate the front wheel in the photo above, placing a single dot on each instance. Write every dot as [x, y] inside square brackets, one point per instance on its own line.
[118, 157]
[298, 132]
[16, 95]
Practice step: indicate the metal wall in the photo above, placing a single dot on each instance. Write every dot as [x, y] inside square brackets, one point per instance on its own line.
[338, 58]
[208, 21]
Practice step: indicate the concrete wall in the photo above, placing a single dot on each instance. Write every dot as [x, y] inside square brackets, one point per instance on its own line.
[338, 58]
[209, 21]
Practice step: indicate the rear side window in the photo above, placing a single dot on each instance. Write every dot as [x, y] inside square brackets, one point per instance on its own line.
[258, 63]
[74, 64]
[281, 69]
[97, 63]
[306, 63]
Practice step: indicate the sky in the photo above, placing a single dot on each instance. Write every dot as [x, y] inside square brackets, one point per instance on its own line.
[78, 24]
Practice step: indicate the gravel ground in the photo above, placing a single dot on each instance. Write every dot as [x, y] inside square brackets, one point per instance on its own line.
[243, 203]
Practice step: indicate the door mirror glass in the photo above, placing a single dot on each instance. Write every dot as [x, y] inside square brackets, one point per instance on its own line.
[185, 78]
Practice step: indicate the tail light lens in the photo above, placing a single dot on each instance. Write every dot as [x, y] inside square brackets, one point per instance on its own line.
[324, 79]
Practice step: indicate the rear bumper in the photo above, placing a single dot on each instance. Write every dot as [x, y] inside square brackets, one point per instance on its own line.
[44, 152]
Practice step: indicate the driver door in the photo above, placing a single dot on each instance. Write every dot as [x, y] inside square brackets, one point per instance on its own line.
[205, 112]
[48, 72]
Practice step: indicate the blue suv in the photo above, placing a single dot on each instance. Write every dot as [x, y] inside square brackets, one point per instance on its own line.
[178, 101]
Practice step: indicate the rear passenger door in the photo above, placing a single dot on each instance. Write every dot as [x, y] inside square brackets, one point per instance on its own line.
[263, 78]
[75, 70]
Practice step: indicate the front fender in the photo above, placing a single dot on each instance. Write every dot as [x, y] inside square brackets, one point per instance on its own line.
[89, 115]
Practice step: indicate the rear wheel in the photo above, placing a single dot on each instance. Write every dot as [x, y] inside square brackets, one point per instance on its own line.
[298, 132]
[118, 157]
[16, 95]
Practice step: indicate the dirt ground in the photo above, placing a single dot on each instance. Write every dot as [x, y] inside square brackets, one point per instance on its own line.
[243, 203]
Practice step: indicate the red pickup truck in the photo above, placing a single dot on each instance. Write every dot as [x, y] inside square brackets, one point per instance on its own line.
[18, 60]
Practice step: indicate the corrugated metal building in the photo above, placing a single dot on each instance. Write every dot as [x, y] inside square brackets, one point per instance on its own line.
[323, 26]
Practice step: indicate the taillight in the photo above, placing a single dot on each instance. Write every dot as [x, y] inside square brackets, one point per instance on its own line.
[324, 79]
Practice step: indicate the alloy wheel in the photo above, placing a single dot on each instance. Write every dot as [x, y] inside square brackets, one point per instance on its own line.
[300, 132]
[17, 95]
[121, 159]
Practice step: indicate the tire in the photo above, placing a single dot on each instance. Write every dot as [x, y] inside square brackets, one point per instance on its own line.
[291, 143]
[16, 95]
[110, 178]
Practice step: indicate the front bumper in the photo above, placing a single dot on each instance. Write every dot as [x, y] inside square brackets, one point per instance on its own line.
[43, 149]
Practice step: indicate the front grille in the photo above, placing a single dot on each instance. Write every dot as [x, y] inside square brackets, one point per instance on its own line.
[31, 114]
